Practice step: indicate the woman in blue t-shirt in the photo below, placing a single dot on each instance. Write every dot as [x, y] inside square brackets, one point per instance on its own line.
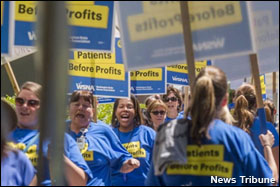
[16, 168]
[245, 113]
[173, 101]
[100, 147]
[205, 150]
[156, 113]
[138, 139]
[26, 138]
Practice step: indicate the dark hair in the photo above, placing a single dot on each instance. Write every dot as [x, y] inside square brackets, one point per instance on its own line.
[171, 89]
[209, 90]
[270, 110]
[86, 95]
[245, 107]
[138, 119]
[151, 98]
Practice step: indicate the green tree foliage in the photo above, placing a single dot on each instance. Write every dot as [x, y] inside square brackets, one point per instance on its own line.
[10, 99]
[105, 112]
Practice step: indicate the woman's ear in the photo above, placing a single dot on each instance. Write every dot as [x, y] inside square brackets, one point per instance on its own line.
[224, 100]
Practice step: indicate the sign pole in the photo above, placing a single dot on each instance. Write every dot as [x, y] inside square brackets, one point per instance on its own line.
[257, 84]
[274, 93]
[53, 48]
[11, 75]
[188, 41]
[186, 99]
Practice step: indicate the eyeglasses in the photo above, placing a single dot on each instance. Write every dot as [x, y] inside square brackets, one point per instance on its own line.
[31, 102]
[158, 112]
[173, 99]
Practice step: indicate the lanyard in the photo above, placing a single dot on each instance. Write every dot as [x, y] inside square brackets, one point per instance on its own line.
[81, 141]
[32, 141]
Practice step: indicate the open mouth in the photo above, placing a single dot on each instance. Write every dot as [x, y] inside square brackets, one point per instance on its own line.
[81, 116]
[24, 114]
[124, 117]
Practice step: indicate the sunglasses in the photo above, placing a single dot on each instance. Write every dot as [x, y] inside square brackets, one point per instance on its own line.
[158, 112]
[173, 99]
[31, 102]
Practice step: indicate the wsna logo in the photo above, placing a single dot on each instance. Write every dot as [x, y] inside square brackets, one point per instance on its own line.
[81, 86]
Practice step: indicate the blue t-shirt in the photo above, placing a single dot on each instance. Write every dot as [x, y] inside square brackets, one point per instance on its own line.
[103, 152]
[255, 131]
[16, 169]
[180, 116]
[139, 142]
[21, 138]
[220, 160]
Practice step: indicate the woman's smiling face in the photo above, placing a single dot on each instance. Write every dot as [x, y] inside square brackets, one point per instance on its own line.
[125, 113]
[27, 109]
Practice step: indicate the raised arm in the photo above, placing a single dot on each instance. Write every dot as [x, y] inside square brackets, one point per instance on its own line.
[267, 141]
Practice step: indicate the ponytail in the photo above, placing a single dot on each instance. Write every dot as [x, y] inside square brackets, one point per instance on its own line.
[245, 107]
[202, 108]
[209, 90]
[269, 110]
[268, 114]
[244, 117]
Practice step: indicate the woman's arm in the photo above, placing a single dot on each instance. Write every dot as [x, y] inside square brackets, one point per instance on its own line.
[267, 141]
[34, 181]
[74, 174]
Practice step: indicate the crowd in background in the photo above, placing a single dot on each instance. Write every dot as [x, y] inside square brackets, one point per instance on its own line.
[151, 146]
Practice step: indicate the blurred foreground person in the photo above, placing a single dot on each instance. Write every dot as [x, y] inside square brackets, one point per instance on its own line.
[16, 168]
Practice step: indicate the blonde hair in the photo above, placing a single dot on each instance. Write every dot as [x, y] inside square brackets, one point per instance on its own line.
[269, 110]
[226, 116]
[154, 104]
[33, 87]
[151, 98]
[245, 107]
[210, 88]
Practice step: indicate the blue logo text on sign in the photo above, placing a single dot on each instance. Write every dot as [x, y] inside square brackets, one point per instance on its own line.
[152, 32]
[91, 24]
